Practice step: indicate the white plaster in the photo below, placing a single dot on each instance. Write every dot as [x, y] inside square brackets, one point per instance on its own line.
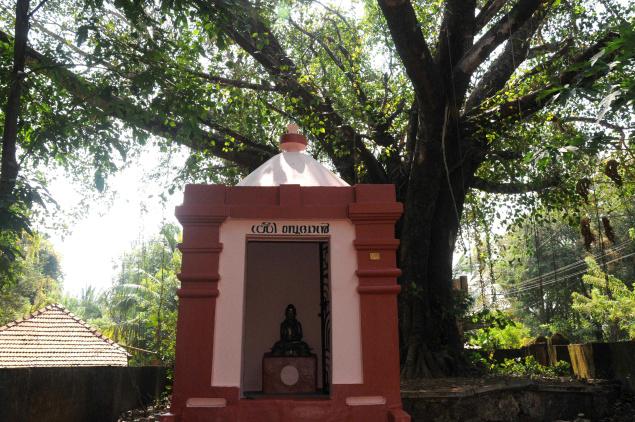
[206, 402]
[346, 326]
[293, 167]
[365, 400]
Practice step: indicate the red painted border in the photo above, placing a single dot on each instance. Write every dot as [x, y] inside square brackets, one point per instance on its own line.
[373, 210]
[293, 137]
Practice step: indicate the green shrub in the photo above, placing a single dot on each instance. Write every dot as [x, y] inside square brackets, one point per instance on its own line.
[529, 367]
[500, 331]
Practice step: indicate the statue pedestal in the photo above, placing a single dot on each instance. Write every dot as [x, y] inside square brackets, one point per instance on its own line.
[289, 374]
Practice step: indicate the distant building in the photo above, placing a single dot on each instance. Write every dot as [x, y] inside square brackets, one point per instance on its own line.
[53, 336]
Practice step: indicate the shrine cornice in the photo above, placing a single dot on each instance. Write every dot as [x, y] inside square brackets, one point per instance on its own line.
[200, 250]
[379, 290]
[198, 278]
[379, 244]
[377, 212]
[289, 212]
[197, 292]
[212, 204]
[379, 273]
[201, 213]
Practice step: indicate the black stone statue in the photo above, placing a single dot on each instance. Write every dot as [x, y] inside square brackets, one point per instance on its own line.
[290, 343]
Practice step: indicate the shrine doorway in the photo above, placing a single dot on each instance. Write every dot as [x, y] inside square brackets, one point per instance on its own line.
[278, 273]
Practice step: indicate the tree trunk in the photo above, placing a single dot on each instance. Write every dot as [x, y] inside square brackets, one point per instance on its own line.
[9, 166]
[431, 344]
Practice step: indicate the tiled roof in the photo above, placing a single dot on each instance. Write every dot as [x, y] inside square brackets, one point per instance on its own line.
[53, 336]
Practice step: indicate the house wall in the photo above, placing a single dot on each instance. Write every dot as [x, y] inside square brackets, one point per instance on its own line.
[65, 394]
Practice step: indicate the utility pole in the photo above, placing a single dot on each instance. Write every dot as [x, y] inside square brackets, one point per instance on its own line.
[479, 259]
[613, 327]
[601, 245]
[491, 266]
[540, 280]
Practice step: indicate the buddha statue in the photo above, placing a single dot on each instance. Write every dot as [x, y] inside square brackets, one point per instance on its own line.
[290, 343]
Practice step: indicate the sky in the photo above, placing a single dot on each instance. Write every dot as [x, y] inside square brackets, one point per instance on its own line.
[129, 210]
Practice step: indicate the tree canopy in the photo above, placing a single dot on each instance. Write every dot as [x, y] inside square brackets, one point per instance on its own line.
[36, 279]
[441, 99]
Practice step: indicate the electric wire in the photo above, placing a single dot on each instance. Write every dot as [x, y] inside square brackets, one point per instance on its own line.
[619, 247]
[527, 286]
[569, 277]
[554, 279]
[559, 277]
[516, 291]
[564, 279]
[560, 272]
[571, 267]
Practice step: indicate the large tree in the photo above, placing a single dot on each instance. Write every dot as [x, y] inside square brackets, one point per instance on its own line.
[437, 98]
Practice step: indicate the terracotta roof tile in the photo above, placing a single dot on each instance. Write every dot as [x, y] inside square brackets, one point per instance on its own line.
[53, 336]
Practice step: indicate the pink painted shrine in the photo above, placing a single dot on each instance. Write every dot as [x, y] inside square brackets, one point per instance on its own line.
[291, 232]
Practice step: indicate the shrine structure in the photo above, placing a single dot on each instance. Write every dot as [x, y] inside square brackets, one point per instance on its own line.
[288, 298]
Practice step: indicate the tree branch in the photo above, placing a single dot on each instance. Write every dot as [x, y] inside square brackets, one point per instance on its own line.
[381, 129]
[497, 34]
[378, 122]
[213, 78]
[529, 104]
[455, 38]
[621, 130]
[491, 8]
[514, 188]
[236, 83]
[505, 154]
[544, 66]
[543, 49]
[513, 55]
[336, 13]
[66, 43]
[601, 122]
[243, 140]
[357, 89]
[414, 52]
[244, 154]
[243, 24]
[36, 8]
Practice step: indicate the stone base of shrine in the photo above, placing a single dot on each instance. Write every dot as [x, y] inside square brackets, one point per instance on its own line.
[289, 374]
[346, 403]
[292, 411]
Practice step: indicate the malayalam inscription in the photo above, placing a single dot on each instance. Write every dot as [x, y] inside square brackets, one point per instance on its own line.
[268, 227]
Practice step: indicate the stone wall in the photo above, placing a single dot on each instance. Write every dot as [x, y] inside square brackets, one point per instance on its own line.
[96, 394]
[544, 353]
[512, 401]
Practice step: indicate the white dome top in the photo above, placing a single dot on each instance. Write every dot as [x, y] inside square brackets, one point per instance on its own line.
[292, 168]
